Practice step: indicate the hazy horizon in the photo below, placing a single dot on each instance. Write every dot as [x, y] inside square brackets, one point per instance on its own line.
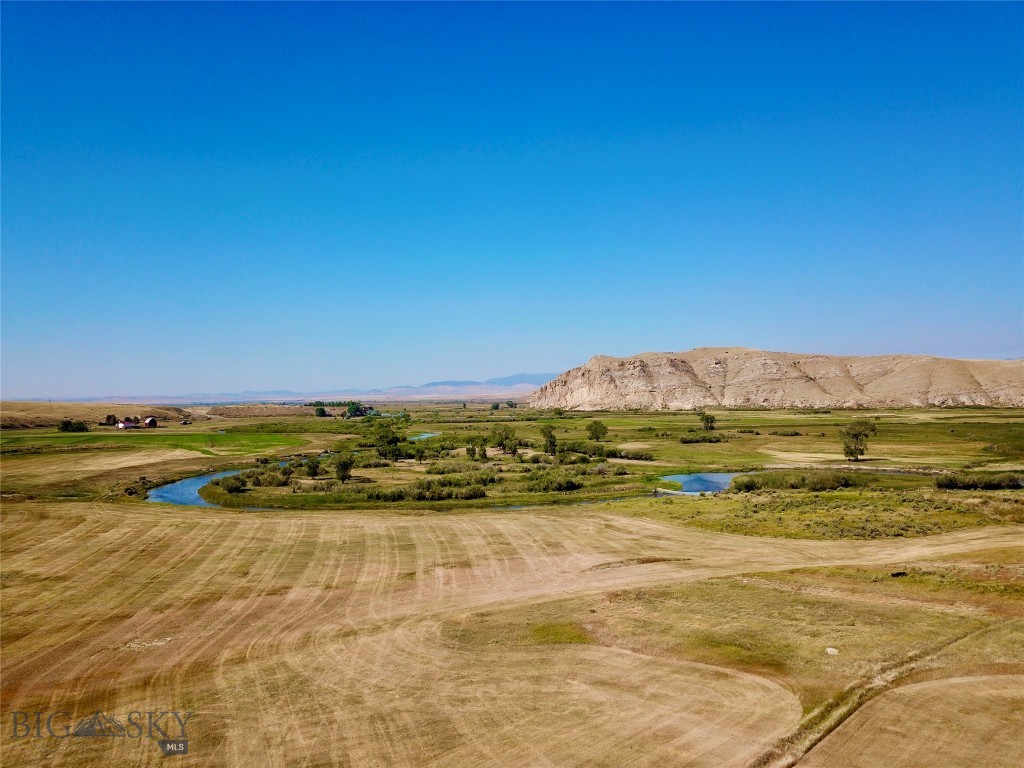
[250, 197]
[355, 391]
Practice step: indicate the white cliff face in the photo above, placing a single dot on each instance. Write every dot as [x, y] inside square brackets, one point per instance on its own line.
[732, 377]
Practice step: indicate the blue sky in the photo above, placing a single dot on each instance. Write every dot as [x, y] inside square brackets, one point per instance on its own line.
[222, 197]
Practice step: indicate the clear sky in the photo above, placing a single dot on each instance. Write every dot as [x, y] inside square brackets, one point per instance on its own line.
[224, 196]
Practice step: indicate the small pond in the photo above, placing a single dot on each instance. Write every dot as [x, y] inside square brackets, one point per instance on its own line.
[425, 435]
[704, 482]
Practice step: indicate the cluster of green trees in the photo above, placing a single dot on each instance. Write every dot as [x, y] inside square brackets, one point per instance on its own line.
[596, 430]
[504, 437]
[69, 425]
[353, 408]
[477, 448]
[387, 437]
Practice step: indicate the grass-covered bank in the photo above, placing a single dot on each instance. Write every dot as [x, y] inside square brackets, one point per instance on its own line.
[843, 514]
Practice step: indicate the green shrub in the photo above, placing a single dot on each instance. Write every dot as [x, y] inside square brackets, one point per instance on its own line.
[545, 481]
[67, 425]
[810, 481]
[369, 461]
[451, 467]
[980, 482]
[431, 490]
[635, 455]
[702, 437]
[232, 484]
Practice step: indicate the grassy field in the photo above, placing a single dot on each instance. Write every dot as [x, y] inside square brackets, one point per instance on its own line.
[818, 628]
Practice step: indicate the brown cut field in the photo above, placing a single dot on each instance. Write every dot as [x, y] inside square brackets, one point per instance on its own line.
[959, 722]
[354, 639]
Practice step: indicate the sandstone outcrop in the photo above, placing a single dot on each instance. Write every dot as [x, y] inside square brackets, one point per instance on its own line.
[734, 377]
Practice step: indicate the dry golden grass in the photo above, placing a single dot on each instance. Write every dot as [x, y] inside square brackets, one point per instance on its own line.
[21, 414]
[240, 411]
[334, 638]
[955, 723]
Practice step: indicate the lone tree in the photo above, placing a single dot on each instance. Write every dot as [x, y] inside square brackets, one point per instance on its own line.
[495, 406]
[321, 411]
[343, 469]
[471, 450]
[67, 425]
[510, 403]
[855, 438]
[313, 467]
[597, 430]
[550, 441]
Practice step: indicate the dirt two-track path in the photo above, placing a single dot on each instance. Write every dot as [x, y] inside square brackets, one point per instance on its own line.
[321, 639]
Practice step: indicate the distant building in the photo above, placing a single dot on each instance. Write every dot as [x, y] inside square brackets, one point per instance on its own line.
[150, 422]
[127, 424]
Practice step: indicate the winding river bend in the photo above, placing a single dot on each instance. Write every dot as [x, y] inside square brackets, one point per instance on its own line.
[186, 492]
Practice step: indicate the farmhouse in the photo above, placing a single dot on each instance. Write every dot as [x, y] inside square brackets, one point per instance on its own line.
[127, 424]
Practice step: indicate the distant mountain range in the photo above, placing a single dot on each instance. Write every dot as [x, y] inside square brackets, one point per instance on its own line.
[516, 385]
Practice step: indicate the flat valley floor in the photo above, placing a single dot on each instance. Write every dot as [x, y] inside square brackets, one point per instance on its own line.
[880, 624]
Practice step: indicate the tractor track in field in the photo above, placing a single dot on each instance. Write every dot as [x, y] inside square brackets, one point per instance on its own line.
[318, 639]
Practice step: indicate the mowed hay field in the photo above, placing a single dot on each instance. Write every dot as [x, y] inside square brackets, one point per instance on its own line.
[356, 640]
[610, 634]
[960, 721]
